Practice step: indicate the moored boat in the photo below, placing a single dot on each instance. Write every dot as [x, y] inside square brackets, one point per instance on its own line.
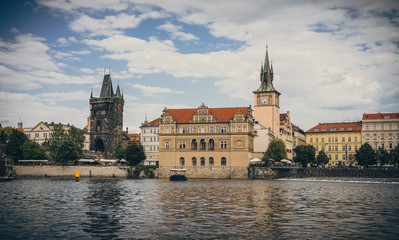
[178, 175]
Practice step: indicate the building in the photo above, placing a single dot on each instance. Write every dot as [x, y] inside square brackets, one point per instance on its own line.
[298, 137]
[106, 118]
[262, 137]
[150, 141]
[286, 132]
[338, 140]
[381, 130]
[208, 142]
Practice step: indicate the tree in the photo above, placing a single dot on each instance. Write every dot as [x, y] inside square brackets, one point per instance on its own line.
[304, 154]
[135, 154]
[15, 142]
[322, 158]
[32, 150]
[64, 145]
[382, 156]
[395, 156]
[276, 150]
[119, 152]
[365, 156]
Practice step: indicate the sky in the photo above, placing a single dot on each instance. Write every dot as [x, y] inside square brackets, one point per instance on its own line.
[332, 60]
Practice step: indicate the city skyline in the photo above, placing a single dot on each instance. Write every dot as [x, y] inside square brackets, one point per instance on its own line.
[332, 60]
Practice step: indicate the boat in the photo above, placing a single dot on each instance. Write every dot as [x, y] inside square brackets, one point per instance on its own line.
[178, 175]
[6, 168]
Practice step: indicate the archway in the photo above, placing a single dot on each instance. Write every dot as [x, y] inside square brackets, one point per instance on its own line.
[99, 145]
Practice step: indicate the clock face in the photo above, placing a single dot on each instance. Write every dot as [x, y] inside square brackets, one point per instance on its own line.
[263, 101]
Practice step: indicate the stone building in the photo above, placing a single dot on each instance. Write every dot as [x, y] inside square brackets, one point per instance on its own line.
[150, 141]
[381, 130]
[286, 132]
[106, 118]
[208, 142]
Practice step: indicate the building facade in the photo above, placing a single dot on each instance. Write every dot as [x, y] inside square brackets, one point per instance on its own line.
[381, 130]
[106, 118]
[208, 142]
[42, 131]
[286, 133]
[150, 141]
[338, 140]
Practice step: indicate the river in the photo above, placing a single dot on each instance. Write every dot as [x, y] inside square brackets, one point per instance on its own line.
[199, 209]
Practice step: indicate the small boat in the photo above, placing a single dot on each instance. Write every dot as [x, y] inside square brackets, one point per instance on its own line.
[178, 175]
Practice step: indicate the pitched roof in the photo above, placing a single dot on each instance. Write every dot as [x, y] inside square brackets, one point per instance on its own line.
[336, 127]
[221, 114]
[153, 123]
[380, 116]
[283, 116]
[106, 90]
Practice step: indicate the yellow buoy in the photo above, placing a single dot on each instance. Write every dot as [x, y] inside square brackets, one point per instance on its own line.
[77, 174]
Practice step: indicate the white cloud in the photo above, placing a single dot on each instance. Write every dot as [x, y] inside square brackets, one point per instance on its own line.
[154, 91]
[176, 32]
[52, 98]
[87, 71]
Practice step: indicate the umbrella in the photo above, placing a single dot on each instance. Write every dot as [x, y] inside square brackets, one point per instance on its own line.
[255, 160]
[285, 161]
[271, 159]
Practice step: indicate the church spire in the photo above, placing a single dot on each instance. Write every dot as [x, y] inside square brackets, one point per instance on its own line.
[266, 75]
[106, 90]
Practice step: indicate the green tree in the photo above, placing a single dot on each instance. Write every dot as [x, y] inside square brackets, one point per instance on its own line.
[15, 142]
[134, 154]
[119, 152]
[64, 145]
[365, 156]
[322, 158]
[276, 150]
[394, 153]
[32, 150]
[382, 156]
[304, 154]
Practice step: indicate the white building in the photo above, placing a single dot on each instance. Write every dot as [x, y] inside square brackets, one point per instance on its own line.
[262, 138]
[381, 130]
[150, 141]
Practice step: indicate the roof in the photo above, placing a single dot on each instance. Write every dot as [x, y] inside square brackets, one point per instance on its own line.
[153, 123]
[106, 90]
[336, 127]
[221, 114]
[380, 116]
[283, 116]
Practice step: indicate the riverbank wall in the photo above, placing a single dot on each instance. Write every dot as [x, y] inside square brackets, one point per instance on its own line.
[69, 171]
[350, 172]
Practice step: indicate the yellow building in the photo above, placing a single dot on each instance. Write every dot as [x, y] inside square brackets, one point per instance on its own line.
[208, 142]
[338, 140]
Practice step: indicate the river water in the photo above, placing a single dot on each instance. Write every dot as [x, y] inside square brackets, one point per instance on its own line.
[199, 209]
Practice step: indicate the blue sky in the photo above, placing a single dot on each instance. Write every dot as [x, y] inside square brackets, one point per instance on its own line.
[333, 60]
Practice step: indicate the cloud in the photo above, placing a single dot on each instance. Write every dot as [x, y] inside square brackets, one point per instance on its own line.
[176, 32]
[154, 91]
[52, 98]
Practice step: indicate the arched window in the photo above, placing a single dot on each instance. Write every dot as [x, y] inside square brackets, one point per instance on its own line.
[194, 144]
[211, 144]
[194, 161]
[203, 144]
[223, 161]
[202, 161]
[211, 161]
[182, 161]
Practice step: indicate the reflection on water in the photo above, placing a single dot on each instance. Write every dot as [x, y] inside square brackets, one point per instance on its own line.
[159, 209]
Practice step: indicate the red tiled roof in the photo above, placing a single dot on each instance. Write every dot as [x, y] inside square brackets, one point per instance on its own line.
[222, 114]
[153, 123]
[336, 127]
[283, 116]
[380, 116]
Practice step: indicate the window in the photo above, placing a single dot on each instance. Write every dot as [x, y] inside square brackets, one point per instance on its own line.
[390, 136]
[166, 145]
[194, 161]
[322, 140]
[343, 139]
[382, 127]
[167, 130]
[382, 136]
[238, 128]
[349, 139]
[336, 157]
[375, 145]
[322, 148]
[329, 148]
[203, 144]
[316, 130]
[336, 139]
[350, 129]
[317, 148]
[223, 161]
[390, 127]
[194, 144]
[182, 144]
[211, 144]
[333, 130]
[390, 145]
[194, 130]
[211, 129]
[45, 135]
[355, 147]
[367, 137]
[367, 127]
[329, 140]
[336, 148]
[224, 129]
[329, 157]
[375, 136]
[342, 129]
[202, 129]
[202, 161]
[343, 156]
[182, 161]
[343, 148]
[324, 129]
[374, 127]
[36, 135]
[382, 145]
[311, 140]
[349, 147]
[317, 140]
[223, 144]
[355, 139]
[211, 161]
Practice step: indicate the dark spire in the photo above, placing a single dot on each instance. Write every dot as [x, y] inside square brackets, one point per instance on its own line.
[118, 92]
[106, 90]
[266, 76]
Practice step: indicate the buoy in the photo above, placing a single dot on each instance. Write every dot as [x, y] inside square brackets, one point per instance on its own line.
[77, 176]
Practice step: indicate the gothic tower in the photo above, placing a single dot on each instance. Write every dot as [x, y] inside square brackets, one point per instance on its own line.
[106, 118]
[266, 100]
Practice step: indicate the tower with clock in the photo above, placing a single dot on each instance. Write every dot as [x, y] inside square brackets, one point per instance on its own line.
[266, 100]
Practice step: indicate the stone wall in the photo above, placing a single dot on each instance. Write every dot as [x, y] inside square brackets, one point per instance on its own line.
[209, 172]
[69, 171]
